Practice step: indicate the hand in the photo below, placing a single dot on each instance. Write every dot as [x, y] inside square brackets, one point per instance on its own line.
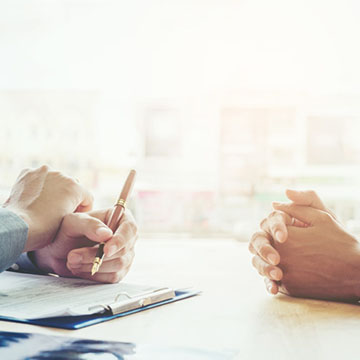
[274, 228]
[72, 252]
[321, 260]
[42, 198]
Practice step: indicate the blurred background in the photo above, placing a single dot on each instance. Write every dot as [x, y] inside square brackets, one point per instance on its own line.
[219, 104]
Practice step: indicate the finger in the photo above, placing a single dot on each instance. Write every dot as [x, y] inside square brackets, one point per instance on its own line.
[81, 224]
[306, 198]
[270, 271]
[104, 215]
[260, 245]
[127, 223]
[86, 255]
[305, 214]
[271, 286]
[275, 225]
[86, 200]
[108, 265]
[125, 235]
[252, 249]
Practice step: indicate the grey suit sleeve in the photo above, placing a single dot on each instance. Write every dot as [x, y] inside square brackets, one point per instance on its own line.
[13, 235]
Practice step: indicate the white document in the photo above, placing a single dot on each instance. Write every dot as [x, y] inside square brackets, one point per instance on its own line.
[25, 296]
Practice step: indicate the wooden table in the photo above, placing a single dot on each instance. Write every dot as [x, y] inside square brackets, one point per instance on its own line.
[233, 312]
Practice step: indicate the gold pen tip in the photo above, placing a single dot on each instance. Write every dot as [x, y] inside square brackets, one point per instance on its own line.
[94, 269]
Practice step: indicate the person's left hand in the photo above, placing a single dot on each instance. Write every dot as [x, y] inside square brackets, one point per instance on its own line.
[320, 260]
[274, 230]
[73, 250]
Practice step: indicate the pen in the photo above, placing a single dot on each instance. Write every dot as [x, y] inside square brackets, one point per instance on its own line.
[115, 218]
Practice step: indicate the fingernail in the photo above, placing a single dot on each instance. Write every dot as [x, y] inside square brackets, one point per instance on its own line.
[274, 275]
[279, 235]
[103, 231]
[112, 250]
[272, 258]
[75, 258]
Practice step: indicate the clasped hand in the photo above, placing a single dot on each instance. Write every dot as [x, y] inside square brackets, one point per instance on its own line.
[303, 250]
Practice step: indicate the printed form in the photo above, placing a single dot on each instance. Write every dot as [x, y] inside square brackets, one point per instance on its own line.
[25, 296]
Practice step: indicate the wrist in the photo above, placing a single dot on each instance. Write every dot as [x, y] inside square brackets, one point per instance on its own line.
[42, 259]
[37, 237]
[24, 217]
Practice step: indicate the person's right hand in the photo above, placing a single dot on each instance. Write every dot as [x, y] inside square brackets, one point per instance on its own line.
[72, 252]
[42, 197]
[273, 228]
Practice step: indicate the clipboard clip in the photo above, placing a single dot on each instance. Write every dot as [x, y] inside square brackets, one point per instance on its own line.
[139, 301]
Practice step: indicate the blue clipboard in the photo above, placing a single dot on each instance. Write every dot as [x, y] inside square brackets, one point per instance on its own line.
[79, 322]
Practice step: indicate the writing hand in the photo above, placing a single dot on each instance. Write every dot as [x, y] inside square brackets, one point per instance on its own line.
[74, 248]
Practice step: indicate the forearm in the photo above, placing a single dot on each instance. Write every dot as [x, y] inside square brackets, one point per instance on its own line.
[13, 237]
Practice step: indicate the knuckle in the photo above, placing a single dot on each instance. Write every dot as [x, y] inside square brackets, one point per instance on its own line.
[290, 206]
[71, 186]
[276, 216]
[263, 251]
[129, 215]
[70, 218]
[72, 182]
[44, 168]
[131, 256]
[263, 222]
[120, 241]
[114, 277]
[254, 262]
[273, 214]
[89, 221]
[325, 217]
[131, 226]
[256, 235]
[267, 270]
[91, 197]
[118, 264]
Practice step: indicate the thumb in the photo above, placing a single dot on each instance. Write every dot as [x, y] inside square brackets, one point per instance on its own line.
[309, 198]
[306, 214]
[81, 224]
[306, 198]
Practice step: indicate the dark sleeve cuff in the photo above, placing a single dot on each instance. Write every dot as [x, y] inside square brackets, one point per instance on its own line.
[25, 264]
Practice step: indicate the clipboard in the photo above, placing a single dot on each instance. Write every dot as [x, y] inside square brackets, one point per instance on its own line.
[72, 303]
[134, 305]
